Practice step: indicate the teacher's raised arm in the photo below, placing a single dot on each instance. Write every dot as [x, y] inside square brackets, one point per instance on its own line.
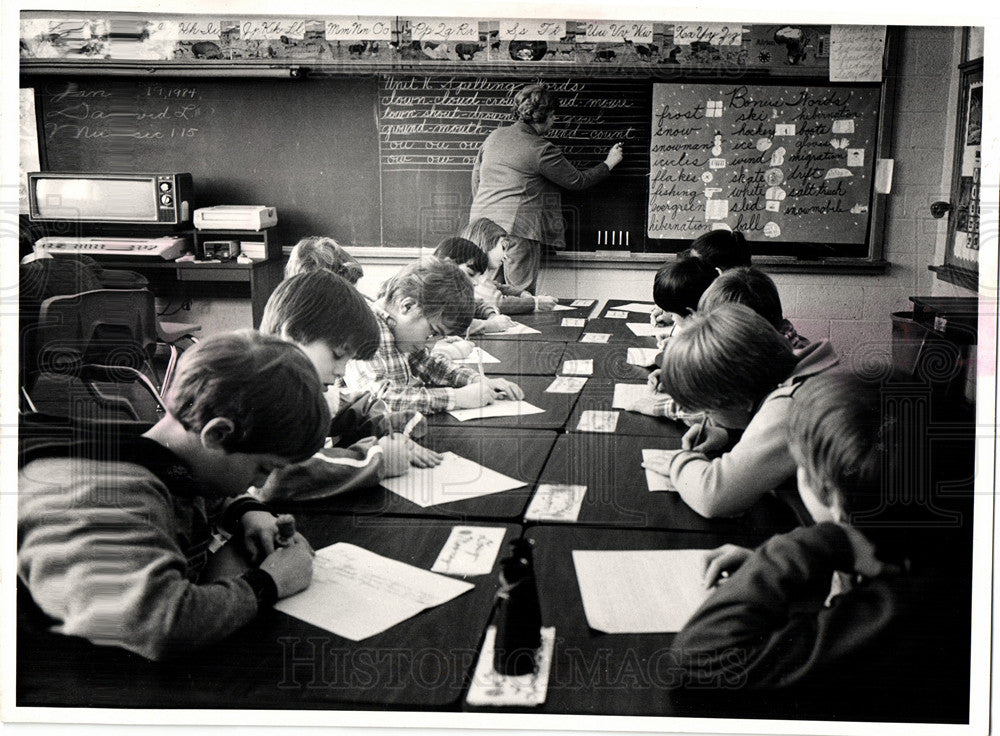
[516, 183]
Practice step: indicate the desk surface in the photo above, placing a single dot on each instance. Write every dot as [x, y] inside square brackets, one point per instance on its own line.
[610, 466]
[519, 454]
[557, 409]
[610, 361]
[517, 358]
[279, 661]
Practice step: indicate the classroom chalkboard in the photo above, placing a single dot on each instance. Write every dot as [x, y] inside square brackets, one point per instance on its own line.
[786, 163]
[306, 147]
[430, 129]
[386, 159]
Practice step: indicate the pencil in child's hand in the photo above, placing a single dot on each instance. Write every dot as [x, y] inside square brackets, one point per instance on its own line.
[701, 431]
[286, 529]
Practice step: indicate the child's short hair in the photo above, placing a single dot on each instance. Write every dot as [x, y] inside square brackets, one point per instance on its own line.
[320, 251]
[266, 386]
[745, 285]
[724, 357]
[441, 290]
[484, 232]
[679, 284]
[320, 305]
[835, 433]
[463, 251]
[722, 249]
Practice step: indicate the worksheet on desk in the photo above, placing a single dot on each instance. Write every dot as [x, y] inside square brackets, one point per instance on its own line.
[517, 328]
[502, 408]
[455, 479]
[356, 593]
[640, 591]
[478, 355]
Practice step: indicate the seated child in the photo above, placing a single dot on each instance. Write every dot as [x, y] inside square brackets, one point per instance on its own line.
[319, 251]
[492, 239]
[470, 258]
[678, 286]
[332, 323]
[878, 635]
[114, 530]
[750, 286]
[721, 249]
[424, 301]
[732, 365]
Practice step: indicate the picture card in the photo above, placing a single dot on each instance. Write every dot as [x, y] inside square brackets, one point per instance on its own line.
[578, 367]
[566, 385]
[598, 421]
[615, 314]
[581, 303]
[595, 337]
[628, 395]
[556, 502]
[658, 481]
[490, 688]
[470, 550]
[573, 322]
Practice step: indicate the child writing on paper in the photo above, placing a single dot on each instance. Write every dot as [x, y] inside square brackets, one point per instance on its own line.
[880, 634]
[114, 529]
[492, 239]
[424, 301]
[750, 286]
[332, 323]
[319, 251]
[730, 364]
[720, 250]
[467, 256]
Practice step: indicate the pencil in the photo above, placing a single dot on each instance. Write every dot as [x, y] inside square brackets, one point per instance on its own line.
[701, 431]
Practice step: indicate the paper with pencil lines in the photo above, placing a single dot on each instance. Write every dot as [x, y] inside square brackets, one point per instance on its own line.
[455, 479]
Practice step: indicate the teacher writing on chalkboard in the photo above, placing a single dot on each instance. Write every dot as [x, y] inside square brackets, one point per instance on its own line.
[516, 181]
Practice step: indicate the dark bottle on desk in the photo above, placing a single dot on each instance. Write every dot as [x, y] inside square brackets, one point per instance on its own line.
[519, 618]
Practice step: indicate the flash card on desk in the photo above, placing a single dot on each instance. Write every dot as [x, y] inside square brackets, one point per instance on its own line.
[597, 421]
[556, 502]
[573, 322]
[581, 302]
[615, 314]
[567, 385]
[578, 367]
[490, 688]
[658, 481]
[470, 550]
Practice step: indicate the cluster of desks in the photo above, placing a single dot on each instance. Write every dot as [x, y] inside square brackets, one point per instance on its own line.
[426, 662]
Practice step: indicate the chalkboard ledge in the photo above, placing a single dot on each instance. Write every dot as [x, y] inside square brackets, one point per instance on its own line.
[625, 261]
[963, 277]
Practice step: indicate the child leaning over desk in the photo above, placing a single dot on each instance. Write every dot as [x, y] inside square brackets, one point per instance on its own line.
[114, 529]
[425, 300]
[332, 323]
[730, 364]
[883, 634]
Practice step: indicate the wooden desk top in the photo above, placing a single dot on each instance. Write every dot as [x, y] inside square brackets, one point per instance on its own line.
[279, 661]
[610, 466]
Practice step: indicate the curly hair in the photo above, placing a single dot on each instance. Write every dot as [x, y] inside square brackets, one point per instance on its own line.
[534, 103]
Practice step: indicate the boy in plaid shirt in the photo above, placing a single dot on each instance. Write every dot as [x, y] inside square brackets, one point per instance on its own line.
[424, 301]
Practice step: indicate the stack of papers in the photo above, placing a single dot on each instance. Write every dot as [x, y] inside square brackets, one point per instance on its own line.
[356, 593]
[455, 479]
[640, 591]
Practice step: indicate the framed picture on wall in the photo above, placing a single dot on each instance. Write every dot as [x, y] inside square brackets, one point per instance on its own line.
[961, 261]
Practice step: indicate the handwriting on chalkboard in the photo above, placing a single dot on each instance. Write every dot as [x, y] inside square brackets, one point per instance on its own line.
[439, 123]
[775, 162]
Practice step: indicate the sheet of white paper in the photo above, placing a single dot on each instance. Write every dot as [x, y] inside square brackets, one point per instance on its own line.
[567, 385]
[517, 329]
[628, 395]
[573, 322]
[473, 358]
[595, 337]
[581, 302]
[504, 408]
[563, 307]
[556, 502]
[455, 479]
[615, 314]
[642, 356]
[597, 421]
[488, 687]
[658, 481]
[578, 367]
[644, 329]
[356, 593]
[637, 307]
[640, 591]
[470, 550]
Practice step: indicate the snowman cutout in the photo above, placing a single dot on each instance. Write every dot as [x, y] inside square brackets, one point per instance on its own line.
[717, 144]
